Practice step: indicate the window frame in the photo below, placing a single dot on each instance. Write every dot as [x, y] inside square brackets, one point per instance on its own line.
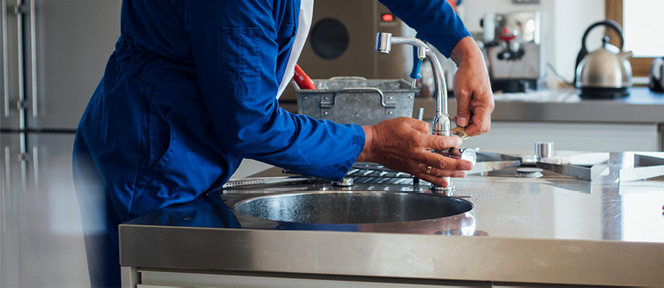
[614, 11]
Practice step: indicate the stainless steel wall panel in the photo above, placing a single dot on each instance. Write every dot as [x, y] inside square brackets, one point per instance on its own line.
[71, 41]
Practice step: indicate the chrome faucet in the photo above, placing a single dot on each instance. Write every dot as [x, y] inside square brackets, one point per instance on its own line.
[441, 121]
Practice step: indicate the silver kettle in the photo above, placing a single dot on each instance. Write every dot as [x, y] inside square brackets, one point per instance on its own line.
[656, 77]
[606, 72]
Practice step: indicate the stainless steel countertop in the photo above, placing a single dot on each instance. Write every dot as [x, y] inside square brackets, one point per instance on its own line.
[549, 230]
[561, 105]
[564, 105]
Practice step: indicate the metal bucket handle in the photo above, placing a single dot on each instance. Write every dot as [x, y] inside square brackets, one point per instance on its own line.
[360, 90]
[356, 78]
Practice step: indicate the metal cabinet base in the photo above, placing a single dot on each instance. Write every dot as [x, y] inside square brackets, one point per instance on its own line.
[133, 277]
[154, 279]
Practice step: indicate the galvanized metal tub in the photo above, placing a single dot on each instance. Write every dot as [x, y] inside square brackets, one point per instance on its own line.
[356, 100]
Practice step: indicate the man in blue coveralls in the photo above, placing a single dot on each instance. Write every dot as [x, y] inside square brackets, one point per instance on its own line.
[192, 89]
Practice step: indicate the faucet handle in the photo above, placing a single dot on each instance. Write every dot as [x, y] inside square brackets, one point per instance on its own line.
[419, 53]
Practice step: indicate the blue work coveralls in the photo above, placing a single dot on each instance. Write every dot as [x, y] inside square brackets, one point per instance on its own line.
[190, 91]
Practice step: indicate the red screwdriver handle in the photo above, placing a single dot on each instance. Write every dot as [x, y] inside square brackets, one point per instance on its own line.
[302, 79]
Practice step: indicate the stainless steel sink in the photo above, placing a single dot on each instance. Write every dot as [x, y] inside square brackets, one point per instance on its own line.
[353, 207]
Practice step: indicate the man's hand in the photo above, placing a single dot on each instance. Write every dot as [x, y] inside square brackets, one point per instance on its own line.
[472, 88]
[404, 144]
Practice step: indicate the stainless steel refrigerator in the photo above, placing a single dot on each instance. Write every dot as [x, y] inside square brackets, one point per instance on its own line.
[53, 56]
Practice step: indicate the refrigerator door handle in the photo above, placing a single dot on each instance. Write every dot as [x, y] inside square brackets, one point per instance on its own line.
[19, 41]
[5, 57]
[33, 59]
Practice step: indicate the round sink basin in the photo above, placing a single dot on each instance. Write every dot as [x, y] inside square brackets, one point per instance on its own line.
[353, 207]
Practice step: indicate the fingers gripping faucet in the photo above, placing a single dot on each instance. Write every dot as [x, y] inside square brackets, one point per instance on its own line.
[441, 121]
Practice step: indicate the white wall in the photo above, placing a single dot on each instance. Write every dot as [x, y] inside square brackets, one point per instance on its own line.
[567, 21]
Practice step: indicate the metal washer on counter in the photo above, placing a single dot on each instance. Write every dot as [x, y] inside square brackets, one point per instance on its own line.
[529, 172]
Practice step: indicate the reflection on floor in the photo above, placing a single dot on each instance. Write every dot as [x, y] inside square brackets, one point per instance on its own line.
[41, 244]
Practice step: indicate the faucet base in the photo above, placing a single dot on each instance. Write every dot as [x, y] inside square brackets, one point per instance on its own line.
[447, 191]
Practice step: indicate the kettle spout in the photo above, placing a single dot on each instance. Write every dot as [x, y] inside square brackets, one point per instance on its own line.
[626, 55]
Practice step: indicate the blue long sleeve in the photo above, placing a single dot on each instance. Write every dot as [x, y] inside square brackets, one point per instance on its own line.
[235, 45]
[434, 20]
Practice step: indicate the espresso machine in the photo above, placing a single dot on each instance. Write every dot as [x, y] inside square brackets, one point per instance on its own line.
[514, 45]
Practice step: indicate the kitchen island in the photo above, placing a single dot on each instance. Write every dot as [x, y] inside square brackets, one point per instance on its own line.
[555, 230]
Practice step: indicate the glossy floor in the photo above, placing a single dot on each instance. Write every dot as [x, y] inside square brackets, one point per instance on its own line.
[41, 240]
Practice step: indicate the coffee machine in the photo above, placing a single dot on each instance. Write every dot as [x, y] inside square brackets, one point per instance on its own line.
[514, 45]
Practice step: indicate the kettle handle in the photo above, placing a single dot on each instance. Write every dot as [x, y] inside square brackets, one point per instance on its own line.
[584, 51]
[608, 23]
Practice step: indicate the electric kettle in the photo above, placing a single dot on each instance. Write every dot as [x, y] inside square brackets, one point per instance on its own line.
[606, 72]
[656, 77]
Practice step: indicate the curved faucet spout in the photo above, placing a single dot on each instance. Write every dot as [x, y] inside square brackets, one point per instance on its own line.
[384, 42]
[441, 121]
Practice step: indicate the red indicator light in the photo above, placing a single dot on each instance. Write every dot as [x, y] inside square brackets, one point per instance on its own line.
[387, 17]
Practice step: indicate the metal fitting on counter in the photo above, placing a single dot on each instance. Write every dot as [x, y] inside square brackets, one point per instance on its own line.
[346, 182]
[543, 150]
